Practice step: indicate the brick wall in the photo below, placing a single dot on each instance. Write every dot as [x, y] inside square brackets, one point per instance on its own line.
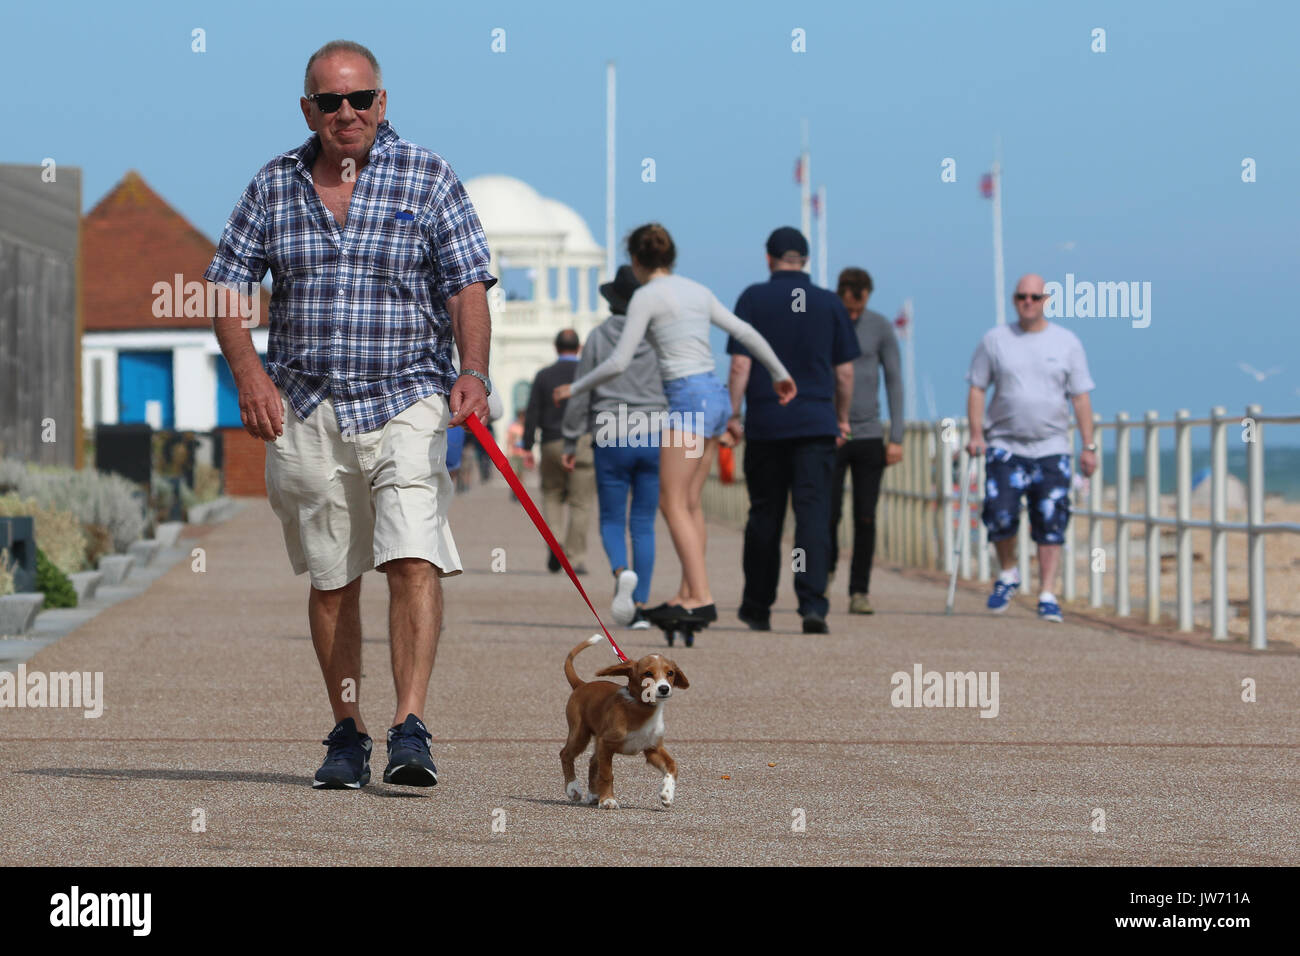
[243, 463]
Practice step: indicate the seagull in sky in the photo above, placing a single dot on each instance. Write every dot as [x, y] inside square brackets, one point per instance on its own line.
[1255, 373]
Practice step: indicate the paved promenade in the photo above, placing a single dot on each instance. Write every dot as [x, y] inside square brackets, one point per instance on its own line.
[214, 703]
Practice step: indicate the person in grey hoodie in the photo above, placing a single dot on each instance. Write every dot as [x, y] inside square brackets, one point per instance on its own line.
[864, 449]
[623, 415]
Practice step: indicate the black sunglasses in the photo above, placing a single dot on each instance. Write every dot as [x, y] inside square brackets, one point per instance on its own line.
[1037, 297]
[359, 100]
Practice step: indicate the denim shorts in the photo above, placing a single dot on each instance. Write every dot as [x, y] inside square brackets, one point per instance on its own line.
[1045, 483]
[698, 404]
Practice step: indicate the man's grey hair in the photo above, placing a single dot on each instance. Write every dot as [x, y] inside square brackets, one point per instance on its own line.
[340, 46]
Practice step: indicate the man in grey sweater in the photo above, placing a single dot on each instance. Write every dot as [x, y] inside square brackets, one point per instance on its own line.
[576, 486]
[862, 448]
[625, 417]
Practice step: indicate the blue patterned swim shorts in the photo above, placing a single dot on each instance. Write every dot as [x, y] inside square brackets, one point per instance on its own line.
[1045, 483]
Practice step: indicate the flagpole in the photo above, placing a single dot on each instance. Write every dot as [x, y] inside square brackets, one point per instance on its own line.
[823, 258]
[805, 188]
[999, 269]
[609, 171]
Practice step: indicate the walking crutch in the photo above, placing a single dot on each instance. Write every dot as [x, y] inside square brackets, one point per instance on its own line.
[963, 533]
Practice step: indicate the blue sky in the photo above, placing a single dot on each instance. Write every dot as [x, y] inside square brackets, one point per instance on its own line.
[1119, 166]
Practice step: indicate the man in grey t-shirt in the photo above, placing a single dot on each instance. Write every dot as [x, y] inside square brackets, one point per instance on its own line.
[862, 449]
[1038, 370]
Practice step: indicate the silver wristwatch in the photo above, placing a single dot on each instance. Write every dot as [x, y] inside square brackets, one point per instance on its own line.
[480, 376]
[1091, 446]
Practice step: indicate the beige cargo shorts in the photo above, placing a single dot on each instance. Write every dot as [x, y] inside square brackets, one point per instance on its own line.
[349, 505]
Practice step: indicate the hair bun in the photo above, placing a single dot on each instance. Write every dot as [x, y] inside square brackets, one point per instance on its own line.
[651, 247]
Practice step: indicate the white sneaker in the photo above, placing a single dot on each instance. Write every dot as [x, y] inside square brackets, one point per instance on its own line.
[623, 609]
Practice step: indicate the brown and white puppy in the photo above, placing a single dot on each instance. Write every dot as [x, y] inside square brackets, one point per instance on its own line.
[624, 720]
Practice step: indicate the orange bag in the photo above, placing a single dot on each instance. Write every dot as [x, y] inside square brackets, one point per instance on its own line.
[726, 465]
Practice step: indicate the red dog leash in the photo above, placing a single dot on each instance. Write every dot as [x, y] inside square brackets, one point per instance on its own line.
[488, 443]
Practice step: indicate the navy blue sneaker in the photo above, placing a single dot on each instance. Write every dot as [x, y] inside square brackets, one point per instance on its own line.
[347, 763]
[1003, 592]
[409, 762]
[1049, 611]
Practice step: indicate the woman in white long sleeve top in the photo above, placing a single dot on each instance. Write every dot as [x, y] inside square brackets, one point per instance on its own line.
[674, 314]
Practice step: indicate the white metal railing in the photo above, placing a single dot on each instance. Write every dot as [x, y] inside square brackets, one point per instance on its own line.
[917, 519]
[920, 514]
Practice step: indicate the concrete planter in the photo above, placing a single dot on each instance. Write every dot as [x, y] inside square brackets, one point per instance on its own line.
[115, 567]
[18, 612]
[86, 583]
[143, 552]
[168, 533]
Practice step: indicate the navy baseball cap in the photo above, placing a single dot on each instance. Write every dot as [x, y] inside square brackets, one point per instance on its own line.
[786, 239]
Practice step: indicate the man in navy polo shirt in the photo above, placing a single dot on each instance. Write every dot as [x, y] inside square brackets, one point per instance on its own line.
[790, 450]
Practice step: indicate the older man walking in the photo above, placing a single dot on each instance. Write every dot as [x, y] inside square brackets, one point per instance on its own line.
[1037, 370]
[378, 261]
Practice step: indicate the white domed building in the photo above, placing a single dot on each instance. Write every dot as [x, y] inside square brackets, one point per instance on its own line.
[549, 267]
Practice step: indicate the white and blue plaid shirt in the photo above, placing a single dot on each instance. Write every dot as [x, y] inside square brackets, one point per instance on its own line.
[358, 313]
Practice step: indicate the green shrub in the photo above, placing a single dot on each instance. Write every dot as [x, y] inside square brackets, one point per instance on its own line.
[53, 583]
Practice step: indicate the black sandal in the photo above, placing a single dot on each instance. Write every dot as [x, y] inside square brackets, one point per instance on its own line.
[672, 614]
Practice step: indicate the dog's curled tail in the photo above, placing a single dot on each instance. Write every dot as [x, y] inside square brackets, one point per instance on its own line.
[574, 680]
